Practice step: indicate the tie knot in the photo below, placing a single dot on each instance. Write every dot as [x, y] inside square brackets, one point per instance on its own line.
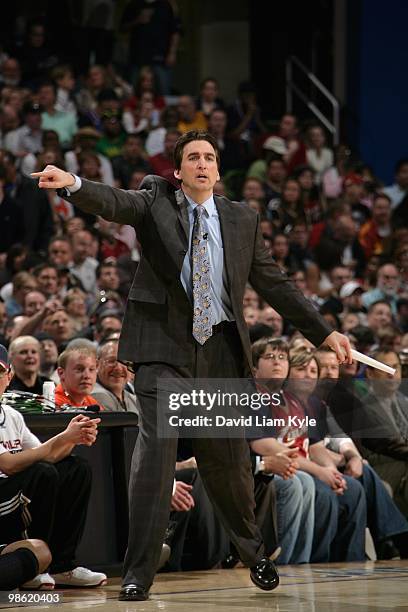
[199, 211]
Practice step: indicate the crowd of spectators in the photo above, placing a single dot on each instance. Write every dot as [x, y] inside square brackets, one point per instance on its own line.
[328, 221]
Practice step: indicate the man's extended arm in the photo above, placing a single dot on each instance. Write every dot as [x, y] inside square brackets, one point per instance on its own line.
[127, 207]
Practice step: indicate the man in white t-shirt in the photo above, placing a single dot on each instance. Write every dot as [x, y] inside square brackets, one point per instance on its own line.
[44, 490]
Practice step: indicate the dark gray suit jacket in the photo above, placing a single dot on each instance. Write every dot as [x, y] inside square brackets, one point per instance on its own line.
[158, 320]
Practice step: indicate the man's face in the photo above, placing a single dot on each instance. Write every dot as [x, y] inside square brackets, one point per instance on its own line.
[81, 246]
[133, 148]
[379, 316]
[388, 279]
[253, 190]
[217, 122]
[269, 316]
[276, 171]
[111, 373]
[251, 315]
[287, 126]
[329, 366]
[251, 298]
[198, 170]
[402, 177]
[170, 143]
[209, 91]
[48, 281]
[46, 96]
[33, 302]
[5, 379]
[26, 358]
[339, 277]
[60, 253]
[11, 72]
[49, 353]
[186, 108]
[274, 363]
[109, 279]
[381, 211]
[79, 374]
[33, 121]
[59, 326]
[385, 384]
[109, 325]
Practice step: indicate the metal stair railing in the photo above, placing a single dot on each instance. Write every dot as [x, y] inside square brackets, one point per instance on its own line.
[331, 124]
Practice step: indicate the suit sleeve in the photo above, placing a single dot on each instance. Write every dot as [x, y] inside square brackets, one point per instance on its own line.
[126, 207]
[277, 289]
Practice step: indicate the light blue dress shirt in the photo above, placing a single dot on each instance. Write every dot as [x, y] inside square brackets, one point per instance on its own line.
[221, 308]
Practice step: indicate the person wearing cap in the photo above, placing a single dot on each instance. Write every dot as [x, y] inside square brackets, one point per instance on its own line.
[28, 137]
[350, 295]
[44, 490]
[273, 147]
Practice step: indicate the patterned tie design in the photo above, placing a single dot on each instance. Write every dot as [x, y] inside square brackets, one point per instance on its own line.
[200, 267]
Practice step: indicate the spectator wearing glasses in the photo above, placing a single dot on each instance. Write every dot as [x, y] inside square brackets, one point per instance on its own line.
[112, 378]
[388, 280]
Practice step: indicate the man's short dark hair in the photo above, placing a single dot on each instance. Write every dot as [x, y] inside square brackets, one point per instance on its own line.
[191, 136]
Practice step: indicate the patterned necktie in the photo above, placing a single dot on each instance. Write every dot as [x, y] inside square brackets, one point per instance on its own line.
[200, 268]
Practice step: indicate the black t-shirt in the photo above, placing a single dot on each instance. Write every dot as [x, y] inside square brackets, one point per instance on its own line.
[150, 39]
[18, 385]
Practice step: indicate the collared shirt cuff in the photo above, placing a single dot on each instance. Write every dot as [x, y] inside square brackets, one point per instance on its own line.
[76, 186]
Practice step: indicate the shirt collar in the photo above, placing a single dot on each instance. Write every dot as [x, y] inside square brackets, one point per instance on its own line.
[209, 205]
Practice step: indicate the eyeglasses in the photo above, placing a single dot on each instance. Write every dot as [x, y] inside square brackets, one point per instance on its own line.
[275, 356]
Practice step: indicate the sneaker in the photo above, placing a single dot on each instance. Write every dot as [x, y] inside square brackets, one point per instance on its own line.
[42, 582]
[80, 577]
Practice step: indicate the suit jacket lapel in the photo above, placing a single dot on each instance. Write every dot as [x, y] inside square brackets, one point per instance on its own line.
[229, 234]
[183, 214]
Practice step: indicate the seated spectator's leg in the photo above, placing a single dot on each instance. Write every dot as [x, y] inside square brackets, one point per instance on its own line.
[349, 543]
[289, 501]
[150, 482]
[225, 468]
[21, 561]
[265, 512]
[383, 517]
[206, 542]
[396, 474]
[326, 522]
[75, 479]
[33, 492]
[304, 541]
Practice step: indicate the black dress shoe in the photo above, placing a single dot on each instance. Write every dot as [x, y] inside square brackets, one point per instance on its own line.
[133, 592]
[229, 562]
[265, 575]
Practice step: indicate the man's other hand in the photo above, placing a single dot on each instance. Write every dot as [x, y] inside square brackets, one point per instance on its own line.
[340, 344]
[53, 178]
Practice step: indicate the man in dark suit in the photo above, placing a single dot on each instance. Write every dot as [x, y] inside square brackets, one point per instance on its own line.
[184, 319]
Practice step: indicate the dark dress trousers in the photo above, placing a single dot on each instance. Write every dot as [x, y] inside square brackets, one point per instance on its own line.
[157, 338]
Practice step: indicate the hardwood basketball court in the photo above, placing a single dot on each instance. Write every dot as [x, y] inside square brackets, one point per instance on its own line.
[336, 587]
